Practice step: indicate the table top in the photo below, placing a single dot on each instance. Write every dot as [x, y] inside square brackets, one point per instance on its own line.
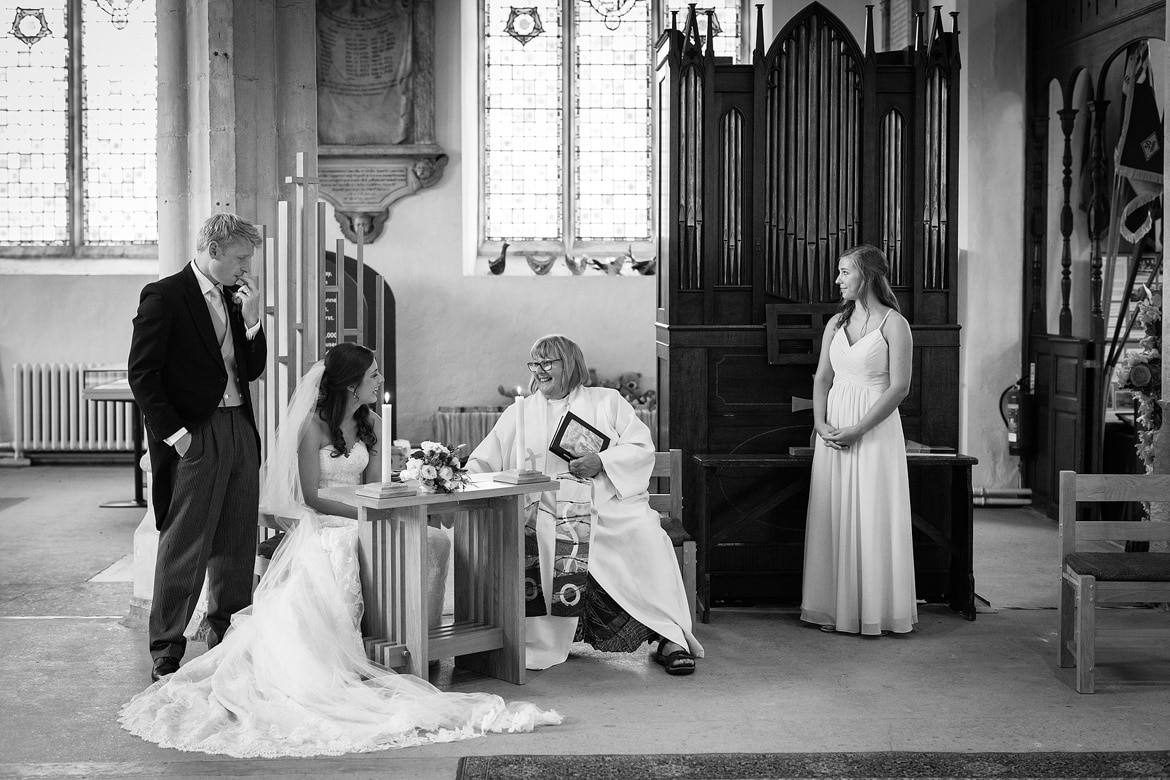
[482, 486]
[118, 390]
[717, 460]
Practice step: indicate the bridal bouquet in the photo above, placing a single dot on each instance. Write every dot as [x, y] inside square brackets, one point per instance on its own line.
[436, 467]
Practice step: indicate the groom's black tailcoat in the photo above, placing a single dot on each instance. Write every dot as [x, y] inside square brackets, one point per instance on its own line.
[206, 502]
[176, 370]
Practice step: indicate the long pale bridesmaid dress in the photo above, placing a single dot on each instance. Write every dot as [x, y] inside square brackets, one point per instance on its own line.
[859, 553]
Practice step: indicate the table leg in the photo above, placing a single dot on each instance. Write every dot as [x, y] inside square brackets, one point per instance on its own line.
[136, 438]
[410, 597]
[489, 548]
[392, 568]
[372, 553]
[704, 576]
[962, 542]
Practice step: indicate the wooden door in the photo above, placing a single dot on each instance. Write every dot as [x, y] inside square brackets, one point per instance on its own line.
[1065, 406]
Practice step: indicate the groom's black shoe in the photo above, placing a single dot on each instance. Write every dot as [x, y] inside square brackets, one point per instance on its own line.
[164, 666]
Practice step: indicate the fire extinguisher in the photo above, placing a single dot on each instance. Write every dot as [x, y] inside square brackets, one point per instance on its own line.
[1012, 407]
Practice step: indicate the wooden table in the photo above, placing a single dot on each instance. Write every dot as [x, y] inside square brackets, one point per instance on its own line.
[119, 391]
[488, 633]
[947, 524]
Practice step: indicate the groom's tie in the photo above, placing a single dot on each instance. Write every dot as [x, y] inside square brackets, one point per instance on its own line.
[215, 299]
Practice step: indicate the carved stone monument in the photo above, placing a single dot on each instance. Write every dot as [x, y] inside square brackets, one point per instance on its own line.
[375, 108]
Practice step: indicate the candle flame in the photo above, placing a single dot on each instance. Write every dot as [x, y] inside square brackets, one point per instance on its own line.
[386, 397]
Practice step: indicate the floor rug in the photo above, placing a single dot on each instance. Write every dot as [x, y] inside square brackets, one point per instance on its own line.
[786, 766]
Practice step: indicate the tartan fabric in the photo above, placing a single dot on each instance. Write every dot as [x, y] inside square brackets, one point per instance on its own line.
[608, 627]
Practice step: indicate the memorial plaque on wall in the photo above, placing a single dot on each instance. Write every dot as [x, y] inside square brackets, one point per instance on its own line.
[375, 107]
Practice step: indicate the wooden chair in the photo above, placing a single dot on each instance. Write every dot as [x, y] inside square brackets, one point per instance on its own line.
[1088, 579]
[668, 466]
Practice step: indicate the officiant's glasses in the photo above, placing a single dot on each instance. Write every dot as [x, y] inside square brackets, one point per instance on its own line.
[543, 365]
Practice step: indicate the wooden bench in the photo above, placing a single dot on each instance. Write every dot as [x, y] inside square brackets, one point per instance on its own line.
[1089, 579]
[668, 467]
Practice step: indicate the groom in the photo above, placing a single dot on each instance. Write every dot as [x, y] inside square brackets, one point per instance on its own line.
[197, 344]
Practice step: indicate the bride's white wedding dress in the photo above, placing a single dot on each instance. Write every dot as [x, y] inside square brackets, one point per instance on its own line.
[291, 677]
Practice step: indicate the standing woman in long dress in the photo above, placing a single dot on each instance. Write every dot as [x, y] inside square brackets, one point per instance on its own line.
[859, 553]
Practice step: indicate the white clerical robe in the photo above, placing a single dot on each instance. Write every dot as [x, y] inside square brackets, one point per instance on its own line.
[630, 556]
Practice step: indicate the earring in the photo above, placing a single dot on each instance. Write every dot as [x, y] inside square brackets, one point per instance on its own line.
[353, 390]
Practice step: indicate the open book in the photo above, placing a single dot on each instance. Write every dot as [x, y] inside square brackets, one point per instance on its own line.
[575, 437]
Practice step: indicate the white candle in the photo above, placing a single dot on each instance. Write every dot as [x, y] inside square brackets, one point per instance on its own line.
[387, 442]
[519, 433]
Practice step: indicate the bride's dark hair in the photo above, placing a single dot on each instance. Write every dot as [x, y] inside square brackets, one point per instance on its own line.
[345, 367]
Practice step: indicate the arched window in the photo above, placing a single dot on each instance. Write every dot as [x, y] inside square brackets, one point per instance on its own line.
[565, 101]
[77, 128]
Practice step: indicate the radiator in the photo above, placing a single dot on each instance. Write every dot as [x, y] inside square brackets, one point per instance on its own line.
[470, 425]
[50, 415]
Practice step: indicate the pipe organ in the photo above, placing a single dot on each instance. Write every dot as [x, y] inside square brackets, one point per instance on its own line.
[766, 173]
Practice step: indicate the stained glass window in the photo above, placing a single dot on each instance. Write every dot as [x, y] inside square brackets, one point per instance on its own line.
[77, 166]
[523, 130]
[34, 125]
[611, 115]
[566, 121]
[118, 126]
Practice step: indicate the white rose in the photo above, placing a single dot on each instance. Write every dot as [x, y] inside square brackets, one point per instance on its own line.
[428, 472]
[429, 446]
[412, 467]
[446, 473]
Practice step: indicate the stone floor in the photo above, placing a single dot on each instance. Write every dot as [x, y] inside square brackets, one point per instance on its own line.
[769, 683]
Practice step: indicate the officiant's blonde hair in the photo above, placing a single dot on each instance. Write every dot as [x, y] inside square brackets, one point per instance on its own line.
[563, 348]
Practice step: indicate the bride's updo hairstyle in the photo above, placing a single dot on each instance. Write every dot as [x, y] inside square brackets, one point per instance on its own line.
[871, 263]
[345, 367]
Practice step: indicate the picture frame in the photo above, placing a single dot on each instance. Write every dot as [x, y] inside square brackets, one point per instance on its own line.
[575, 437]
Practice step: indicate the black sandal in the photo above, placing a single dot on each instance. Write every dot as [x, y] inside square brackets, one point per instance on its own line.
[678, 662]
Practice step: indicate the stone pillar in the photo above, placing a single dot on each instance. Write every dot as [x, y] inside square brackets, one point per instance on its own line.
[172, 136]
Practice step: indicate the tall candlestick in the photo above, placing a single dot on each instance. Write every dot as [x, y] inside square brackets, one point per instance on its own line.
[387, 442]
[519, 433]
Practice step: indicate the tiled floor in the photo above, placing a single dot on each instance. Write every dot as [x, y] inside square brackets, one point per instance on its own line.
[769, 683]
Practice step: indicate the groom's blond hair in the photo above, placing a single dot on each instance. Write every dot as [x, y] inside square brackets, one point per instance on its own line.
[227, 229]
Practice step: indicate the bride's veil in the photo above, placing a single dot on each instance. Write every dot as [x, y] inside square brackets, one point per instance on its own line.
[280, 477]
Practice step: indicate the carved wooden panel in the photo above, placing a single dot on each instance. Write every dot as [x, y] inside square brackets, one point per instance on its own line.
[795, 330]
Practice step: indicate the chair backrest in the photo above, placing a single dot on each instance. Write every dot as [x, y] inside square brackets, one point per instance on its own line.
[1087, 488]
[668, 466]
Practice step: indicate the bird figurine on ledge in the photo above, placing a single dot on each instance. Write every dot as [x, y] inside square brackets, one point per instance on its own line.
[644, 267]
[497, 266]
[611, 265]
[575, 264]
[540, 265]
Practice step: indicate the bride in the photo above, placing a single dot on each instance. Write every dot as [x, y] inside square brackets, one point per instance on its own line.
[291, 677]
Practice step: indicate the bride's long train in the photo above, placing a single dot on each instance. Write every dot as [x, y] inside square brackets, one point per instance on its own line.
[291, 679]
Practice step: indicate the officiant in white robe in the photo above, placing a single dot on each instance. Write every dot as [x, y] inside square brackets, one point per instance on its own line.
[629, 555]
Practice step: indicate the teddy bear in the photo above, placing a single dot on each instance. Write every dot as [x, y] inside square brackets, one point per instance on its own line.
[630, 385]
